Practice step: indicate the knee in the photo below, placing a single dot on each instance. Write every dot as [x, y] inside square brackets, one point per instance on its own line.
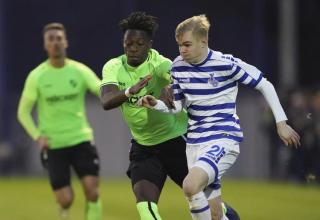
[145, 190]
[92, 194]
[190, 187]
[65, 201]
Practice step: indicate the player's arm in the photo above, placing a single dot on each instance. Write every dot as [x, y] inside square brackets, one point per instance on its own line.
[28, 99]
[288, 135]
[176, 100]
[252, 77]
[167, 96]
[110, 94]
[92, 81]
[151, 102]
[112, 97]
[164, 72]
[24, 117]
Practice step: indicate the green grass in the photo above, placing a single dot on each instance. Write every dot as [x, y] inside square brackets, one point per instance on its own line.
[32, 199]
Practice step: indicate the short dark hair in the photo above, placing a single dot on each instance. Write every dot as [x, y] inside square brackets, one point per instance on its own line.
[140, 21]
[53, 26]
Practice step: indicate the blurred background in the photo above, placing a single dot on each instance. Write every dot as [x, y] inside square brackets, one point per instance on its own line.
[280, 37]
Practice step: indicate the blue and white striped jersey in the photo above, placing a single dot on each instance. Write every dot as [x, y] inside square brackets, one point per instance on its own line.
[209, 92]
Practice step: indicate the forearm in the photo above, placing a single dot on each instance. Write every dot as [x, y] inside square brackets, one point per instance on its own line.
[113, 99]
[25, 118]
[161, 106]
[269, 93]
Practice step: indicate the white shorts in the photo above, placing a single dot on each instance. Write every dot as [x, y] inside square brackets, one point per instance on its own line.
[215, 158]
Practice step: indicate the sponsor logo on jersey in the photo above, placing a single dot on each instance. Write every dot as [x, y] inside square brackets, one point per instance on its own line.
[60, 98]
[134, 99]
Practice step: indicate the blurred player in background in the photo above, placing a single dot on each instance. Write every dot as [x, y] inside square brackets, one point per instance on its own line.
[58, 87]
[206, 84]
[158, 144]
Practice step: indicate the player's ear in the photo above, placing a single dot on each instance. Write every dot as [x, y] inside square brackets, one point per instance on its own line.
[204, 41]
[150, 43]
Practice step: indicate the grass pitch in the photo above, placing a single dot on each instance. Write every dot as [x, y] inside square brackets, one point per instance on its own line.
[32, 199]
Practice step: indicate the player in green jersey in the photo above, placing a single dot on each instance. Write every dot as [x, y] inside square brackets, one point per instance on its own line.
[158, 146]
[58, 87]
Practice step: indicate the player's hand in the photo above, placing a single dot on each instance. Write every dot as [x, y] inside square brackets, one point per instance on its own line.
[140, 85]
[43, 143]
[147, 101]
[167, 97]
[287, 134]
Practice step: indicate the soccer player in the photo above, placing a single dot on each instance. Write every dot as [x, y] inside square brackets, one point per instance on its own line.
[158, 145]
[58, 87]
[206, 84]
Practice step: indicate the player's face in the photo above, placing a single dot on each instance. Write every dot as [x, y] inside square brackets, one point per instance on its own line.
[190, 47]
[136, 46]
[55, 43]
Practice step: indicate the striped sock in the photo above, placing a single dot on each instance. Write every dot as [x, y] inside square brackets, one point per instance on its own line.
[148, 211]
[199, 207]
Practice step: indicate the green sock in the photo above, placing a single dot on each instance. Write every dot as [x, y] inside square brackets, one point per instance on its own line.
[224, 208]
[148, 211]
[94, 210]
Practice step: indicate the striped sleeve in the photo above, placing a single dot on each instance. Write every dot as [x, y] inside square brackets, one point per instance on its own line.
[247, 74]
[177, 91]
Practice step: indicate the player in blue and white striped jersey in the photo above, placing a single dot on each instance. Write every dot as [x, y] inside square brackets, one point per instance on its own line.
[205, 83]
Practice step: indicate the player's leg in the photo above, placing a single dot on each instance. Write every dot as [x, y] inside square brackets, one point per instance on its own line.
[193, 186]
[147, 195]
[64, 197]
[147, 177]
[217, 211]
[173, 156]
[220, 208]
[90, 186]
[85, 162]
[59, 175]
[175, 161]
[230, 212]
[223, 155]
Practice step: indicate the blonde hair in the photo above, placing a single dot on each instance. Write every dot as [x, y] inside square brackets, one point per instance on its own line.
[199, 25]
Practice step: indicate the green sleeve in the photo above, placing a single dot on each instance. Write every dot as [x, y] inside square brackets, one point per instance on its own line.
[30, 89]
[25, 118]
[92, 81]
[163, 70]
[110, 72]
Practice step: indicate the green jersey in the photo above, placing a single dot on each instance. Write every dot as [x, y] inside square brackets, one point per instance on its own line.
[148, 127]
[60, 95]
